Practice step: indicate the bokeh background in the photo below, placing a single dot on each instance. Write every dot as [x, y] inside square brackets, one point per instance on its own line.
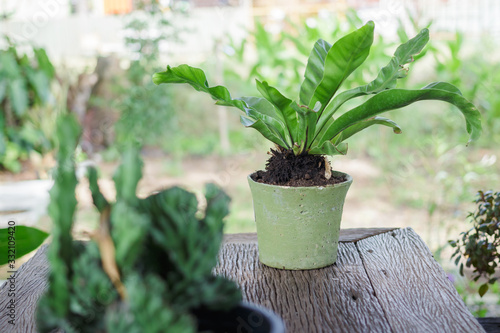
[95, 58]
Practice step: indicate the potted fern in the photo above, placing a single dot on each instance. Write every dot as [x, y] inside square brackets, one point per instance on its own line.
[298, 199]
[148, 266]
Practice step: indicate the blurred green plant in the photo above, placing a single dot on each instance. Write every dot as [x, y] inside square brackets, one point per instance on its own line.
[280, 58]
[478, 306]
[25, 90]
[145, 112]
[479, 245]
[473, 71]
[147, 28]
[148, 267]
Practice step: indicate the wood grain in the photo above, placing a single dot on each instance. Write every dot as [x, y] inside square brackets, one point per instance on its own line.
[30, 284]
[356, 234]
[412, 288]
[338, 298]
[346, 235]
[385, 283]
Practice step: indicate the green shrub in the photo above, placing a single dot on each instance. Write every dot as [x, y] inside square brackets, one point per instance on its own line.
[478, 247]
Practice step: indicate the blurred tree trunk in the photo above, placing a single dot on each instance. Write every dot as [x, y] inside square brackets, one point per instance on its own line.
[100, 116]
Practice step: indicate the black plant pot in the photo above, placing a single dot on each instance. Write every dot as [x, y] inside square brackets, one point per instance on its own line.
[244, 318]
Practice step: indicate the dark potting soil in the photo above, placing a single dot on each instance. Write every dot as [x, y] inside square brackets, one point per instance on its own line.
[284, 168]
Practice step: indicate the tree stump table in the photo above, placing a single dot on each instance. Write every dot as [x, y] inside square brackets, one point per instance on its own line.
[385, 280]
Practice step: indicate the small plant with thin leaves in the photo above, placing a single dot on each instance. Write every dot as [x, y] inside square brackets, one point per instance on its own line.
[317, 122]
[479, 245]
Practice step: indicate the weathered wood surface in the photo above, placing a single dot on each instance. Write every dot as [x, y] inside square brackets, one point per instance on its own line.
[30, 284]
[413, 289]
[338, 298]
[346, 235]
[386, 283]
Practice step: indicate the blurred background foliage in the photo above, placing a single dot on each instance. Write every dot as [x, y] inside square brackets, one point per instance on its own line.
[28, 109]
[145, 112]
[427, 171]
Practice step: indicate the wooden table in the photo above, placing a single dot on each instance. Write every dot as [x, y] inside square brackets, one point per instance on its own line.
[384, 280]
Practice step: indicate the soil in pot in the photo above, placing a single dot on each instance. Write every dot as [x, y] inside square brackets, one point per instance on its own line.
[284, 168]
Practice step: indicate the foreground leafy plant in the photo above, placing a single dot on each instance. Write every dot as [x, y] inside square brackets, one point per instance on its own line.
[479, 245]
[308, 126]
[149, 264]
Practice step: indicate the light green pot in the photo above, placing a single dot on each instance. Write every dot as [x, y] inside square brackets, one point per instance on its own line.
[298, 227]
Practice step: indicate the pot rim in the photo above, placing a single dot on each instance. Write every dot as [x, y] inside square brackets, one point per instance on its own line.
[240, 314]
[276, 322]
[344, 183]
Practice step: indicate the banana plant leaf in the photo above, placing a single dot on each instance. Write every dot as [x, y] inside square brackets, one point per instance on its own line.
[18, 241]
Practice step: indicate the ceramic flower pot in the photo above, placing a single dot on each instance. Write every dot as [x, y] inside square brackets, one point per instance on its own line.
[298, 227]
[246, 317]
